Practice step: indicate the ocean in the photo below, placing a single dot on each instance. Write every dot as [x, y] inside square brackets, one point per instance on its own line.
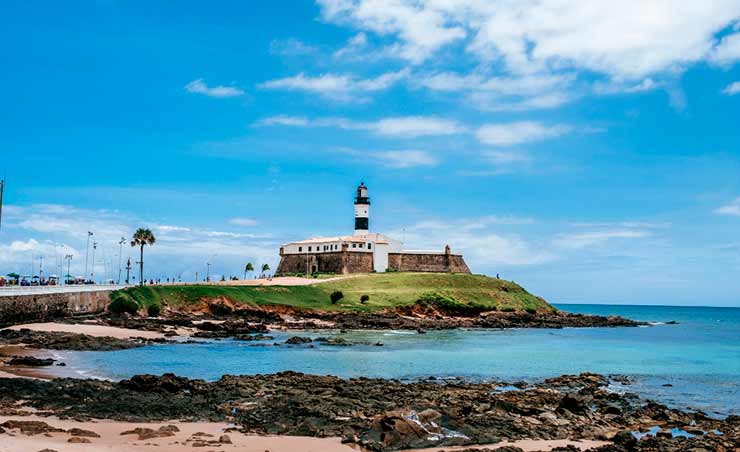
[692, 364]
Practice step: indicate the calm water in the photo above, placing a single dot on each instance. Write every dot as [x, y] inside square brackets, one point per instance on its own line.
[699, 357]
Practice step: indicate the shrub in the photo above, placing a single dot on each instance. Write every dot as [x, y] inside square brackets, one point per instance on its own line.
[123, 304]
[508, 309]
[531, 310]
[364, 299]
[336, 296]
[153, 310]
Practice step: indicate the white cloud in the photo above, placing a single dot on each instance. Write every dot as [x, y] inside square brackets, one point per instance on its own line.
[395, 158]
[422, 29]
[732, 89]
[199, 86]
[291, 47]
[507, 134]
[728, 50]
[480, 245]
[616, 87]
[525, 92]
[582, 240]
[414, 126]
[339, 87]
[246, 222]
[629, 39]
[404, 126]
[179, 249]
[733, 208]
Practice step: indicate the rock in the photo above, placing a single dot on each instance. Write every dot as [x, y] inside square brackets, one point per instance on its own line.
[84, 433]
[398, 430]
[577, 402]
[148, 433]
[224, 439]
[78, 440]
[664, 433]
[30, 427]
[625, 439]
[429, 415]
[30, 361]
[296, 340]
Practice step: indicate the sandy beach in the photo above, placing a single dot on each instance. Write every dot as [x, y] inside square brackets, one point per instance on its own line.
[202, 434]
[189, 435]
[90, 330]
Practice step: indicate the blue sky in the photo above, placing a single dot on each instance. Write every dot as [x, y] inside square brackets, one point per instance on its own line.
[588, 150]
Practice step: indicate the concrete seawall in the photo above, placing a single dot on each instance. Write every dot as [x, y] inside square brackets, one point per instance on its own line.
[42, 307]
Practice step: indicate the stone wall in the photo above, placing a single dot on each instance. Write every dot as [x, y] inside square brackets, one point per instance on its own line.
[340, 262]
[420, 262]
[30, 308]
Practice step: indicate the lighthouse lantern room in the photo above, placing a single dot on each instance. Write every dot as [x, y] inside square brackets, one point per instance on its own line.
[362, 210]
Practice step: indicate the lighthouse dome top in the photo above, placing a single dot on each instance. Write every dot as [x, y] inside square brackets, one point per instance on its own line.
[362, 197]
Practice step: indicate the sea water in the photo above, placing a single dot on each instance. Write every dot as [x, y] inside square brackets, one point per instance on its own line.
[693, 364]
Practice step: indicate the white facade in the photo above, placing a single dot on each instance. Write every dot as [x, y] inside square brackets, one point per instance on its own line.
[378, 244]
[362, 211]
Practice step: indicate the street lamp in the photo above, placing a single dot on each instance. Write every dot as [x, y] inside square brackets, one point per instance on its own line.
[120, 250]
[92, 272]
[69, 261]
[87, 250]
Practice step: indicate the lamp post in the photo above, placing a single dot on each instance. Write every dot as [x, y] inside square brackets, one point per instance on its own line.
[87, 250]
[69, 261]
[120, 250]
[92, 270]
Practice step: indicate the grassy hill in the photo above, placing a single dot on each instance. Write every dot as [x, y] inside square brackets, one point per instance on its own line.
[384, 289]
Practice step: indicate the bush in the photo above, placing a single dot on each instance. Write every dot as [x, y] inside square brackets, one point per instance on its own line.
[336, 296]
[531, 310]
[123, 305]
[153, 310]
[364, 299]
[508, 309]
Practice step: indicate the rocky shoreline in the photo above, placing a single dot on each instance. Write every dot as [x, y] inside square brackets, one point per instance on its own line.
[385, 415]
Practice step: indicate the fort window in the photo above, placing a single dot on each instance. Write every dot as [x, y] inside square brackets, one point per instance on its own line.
[354, 245]
[300, 248]
[369, 245]
[309, 248]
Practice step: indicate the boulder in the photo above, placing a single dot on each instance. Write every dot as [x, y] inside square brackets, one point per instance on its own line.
[297, 340]
[30, 361]
[78, 440]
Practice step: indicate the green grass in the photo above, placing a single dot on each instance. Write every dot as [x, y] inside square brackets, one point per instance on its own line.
[385, 290]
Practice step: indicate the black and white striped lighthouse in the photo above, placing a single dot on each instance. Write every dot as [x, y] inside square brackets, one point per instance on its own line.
[362, 210]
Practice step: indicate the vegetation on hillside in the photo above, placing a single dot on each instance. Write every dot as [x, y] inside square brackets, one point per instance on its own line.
[461, 291]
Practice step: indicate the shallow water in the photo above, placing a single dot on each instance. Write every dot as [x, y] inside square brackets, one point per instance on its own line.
[699, 357]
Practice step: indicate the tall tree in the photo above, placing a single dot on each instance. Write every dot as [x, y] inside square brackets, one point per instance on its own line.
[247, 269]
[265, 268]
[141, 238]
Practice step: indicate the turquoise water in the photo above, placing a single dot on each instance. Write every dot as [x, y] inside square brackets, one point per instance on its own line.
[699, 357]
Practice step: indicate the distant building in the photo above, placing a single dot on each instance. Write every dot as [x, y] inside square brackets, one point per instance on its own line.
[363, 251]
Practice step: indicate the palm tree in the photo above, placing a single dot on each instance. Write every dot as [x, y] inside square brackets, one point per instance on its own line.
[265, 268]
[247, 269]
[142, 237]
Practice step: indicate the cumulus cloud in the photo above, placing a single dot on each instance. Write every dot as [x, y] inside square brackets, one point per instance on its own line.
[728, 50]
[403, 126]
[199, 86]
[733, 208]
[627, 40]
[512, 133]
[335, 86]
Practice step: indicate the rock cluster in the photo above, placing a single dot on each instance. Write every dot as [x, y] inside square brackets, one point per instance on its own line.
[69, 341]
[386, 414]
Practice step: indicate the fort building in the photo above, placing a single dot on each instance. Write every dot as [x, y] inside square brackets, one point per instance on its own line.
[363, 251]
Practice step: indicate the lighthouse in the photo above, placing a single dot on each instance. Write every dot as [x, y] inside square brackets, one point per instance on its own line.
[362, 210]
